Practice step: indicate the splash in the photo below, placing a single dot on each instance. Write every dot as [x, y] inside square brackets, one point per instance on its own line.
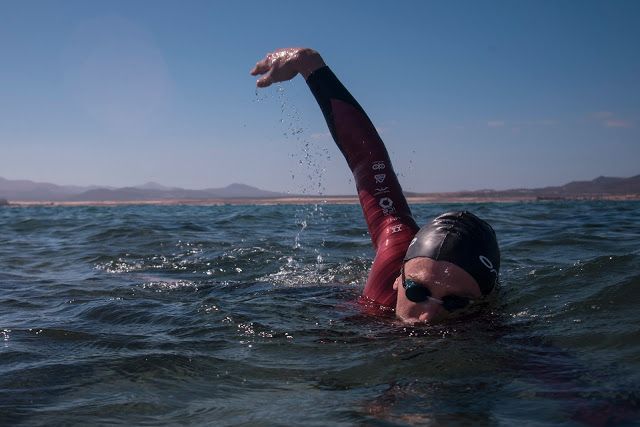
[309, 176]
[311, 158]
[160, 285]
[406, 173]
[5, 334]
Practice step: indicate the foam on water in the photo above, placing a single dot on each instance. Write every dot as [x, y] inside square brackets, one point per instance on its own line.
[188, 314]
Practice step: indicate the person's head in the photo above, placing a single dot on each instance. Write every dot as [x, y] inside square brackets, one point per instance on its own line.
[451, 262]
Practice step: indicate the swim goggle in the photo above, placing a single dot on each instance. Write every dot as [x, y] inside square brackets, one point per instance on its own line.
[418, 293]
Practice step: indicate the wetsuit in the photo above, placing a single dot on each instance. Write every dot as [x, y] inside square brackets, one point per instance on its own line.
[385, 208]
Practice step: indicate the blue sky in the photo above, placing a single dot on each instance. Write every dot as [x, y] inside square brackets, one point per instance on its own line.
[466, 94]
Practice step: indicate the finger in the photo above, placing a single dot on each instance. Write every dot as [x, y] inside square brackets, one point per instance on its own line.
[261, 67]
[264, 81]
[265, 64]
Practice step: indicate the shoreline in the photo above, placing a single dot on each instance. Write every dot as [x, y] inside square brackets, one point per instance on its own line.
[331, 200]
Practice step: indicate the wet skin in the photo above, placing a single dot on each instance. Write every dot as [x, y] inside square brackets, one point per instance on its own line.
[284, 64]
[442, 278]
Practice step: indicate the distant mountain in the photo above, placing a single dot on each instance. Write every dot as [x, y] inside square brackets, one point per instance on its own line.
[600, 187]
[39, 191]
[152, 186]
[236, 190]
[233, 191]
[30, 190]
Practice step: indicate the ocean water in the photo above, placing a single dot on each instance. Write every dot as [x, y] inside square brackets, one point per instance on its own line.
[248, 315]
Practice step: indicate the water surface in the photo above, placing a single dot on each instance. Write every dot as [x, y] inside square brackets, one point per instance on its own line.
[232, 315]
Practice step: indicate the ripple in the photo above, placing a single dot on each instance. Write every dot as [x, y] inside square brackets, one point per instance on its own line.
[188, 314]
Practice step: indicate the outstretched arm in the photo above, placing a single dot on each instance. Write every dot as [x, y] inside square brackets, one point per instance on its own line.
[385, 208]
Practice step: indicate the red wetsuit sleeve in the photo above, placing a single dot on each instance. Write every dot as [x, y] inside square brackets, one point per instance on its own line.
[385, 208]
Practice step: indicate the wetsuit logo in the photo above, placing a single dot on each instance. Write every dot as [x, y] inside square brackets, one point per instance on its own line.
[385, 203]
[379, 165]
[487, 263]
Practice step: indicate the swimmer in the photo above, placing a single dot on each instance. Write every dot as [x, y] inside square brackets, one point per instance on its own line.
[426, 274]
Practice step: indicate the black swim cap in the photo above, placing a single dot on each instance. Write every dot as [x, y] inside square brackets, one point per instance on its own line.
[463, 239]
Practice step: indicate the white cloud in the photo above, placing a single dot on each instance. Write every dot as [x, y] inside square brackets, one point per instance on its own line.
[617, 123]
[495, 123]
[610, 120]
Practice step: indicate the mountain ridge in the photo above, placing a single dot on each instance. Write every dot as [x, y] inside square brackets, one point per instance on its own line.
[25, 190]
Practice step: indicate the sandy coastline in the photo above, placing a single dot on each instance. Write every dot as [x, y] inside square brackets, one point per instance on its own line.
[338, 200]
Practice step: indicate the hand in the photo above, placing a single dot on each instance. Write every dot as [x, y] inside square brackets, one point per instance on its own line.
[284, 64]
